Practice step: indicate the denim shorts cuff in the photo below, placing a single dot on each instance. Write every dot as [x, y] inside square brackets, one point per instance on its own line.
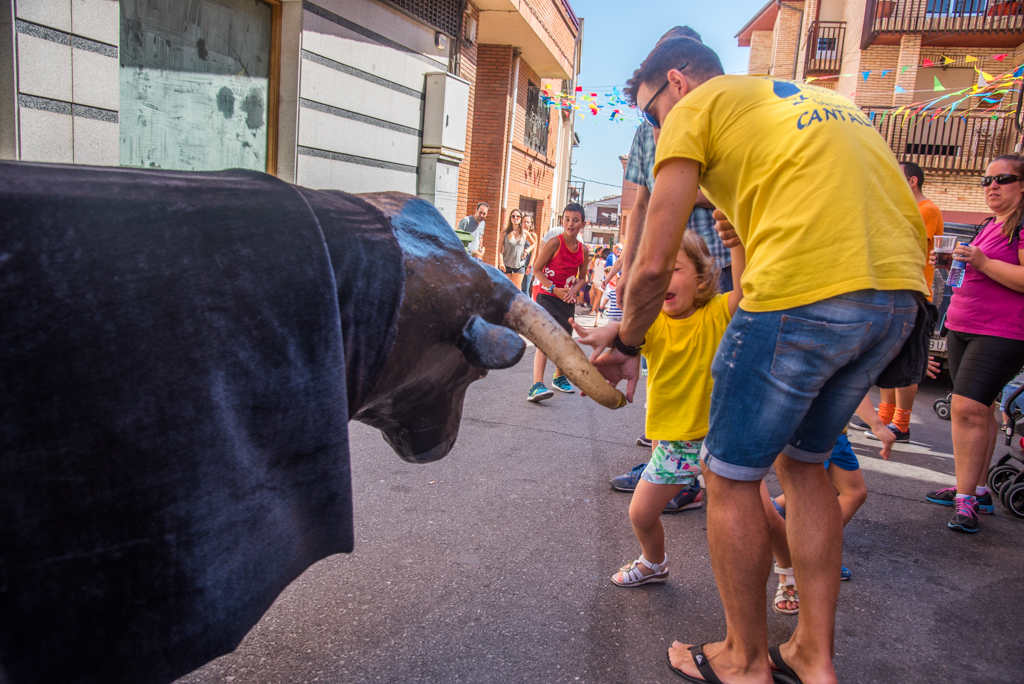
[730, 471]
[803, 456]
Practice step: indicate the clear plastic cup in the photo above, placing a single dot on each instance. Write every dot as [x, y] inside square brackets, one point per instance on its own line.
[944, 246]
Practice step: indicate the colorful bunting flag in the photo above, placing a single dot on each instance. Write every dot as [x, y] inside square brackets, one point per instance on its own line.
[1000, 58]
[865, 74]
[886, 72]
[947, 60]
[903, 70]
[1019, 72]
[927, 62]
[970, 59]
[987, 77]
[899, 90]
[938, 86]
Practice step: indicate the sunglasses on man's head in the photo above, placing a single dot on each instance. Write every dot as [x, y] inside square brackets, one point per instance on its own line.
[1001, 179]
[647, 116]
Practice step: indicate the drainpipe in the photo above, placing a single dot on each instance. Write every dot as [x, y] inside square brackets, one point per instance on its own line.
[799, 34]
[511, 137]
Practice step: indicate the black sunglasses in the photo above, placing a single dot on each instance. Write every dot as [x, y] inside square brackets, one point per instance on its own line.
[1001, 179]
[648, 117]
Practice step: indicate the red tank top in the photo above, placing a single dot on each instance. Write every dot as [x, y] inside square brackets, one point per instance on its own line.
[564, 268]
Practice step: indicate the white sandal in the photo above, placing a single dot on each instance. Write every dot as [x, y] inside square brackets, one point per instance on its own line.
[633, 576]
[786, 591]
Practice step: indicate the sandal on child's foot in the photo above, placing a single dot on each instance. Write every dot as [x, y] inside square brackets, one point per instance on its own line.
[786, 592]
[631, 575]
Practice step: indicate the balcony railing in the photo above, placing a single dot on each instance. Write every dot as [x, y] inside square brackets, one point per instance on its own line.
[941, 16]
[824, 54]
[960, 144]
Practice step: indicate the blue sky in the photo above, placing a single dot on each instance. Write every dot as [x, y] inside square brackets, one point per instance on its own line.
[616, 38]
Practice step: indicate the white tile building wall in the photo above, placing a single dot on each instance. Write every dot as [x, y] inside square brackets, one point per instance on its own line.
[351, 100]
[66, 80]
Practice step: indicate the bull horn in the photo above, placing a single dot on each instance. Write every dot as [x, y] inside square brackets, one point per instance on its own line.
[539, 327]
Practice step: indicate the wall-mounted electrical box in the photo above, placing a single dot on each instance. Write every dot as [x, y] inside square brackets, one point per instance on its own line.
[445, 112]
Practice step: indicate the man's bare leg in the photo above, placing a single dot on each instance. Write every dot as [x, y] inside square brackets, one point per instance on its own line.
[742, 560]
[814, 527]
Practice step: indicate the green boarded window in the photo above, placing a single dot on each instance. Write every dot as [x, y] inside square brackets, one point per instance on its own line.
[195, 83]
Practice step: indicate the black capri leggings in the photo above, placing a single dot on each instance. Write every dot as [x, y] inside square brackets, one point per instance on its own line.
[981, 365]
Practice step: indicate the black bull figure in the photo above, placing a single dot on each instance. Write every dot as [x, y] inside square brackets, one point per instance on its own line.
[180, 355]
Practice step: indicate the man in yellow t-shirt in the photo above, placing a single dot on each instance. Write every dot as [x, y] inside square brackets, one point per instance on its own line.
[835, 262]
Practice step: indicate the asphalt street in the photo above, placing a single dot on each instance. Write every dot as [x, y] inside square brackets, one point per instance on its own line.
[493, 565]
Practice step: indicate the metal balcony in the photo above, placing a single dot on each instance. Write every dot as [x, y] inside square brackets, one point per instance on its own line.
[824, 56]
[947, 22]
[957, 144]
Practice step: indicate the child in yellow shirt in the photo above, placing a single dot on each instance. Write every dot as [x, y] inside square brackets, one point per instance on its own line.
[679, 349]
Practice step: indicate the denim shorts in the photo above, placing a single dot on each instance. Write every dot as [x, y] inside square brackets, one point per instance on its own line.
[788, 381]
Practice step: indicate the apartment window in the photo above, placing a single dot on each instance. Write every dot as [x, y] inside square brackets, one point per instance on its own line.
[536, 136]
[827, 44]
[197, 79]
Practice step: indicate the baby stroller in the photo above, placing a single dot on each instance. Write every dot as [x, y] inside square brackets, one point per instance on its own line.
[1006, 477]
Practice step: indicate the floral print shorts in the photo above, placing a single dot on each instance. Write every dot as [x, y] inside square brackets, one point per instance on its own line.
[674, 463]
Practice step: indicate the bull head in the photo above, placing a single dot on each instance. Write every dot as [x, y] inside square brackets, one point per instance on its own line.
[458, 319]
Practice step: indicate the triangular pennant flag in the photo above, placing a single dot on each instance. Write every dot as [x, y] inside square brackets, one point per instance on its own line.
[865, 74]
[579, 89]
[970, 59]
[947, 60]
[987, 77]
[1000, 58]
[886, 72]
[812, 78]
[903, 70]
[927, 62]
[1019, 72]
[899, 90]
[938, 86]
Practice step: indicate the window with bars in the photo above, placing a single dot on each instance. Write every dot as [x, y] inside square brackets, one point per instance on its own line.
[536, 135]
[444, 15]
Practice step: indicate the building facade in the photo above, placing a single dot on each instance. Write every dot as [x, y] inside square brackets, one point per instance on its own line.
[908, 49]
[438, 98]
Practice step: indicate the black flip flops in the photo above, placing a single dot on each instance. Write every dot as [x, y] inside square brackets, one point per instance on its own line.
[783, 675]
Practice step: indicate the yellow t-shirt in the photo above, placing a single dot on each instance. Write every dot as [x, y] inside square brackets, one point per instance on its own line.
[679, 352]
[817, 198]
[933, 225]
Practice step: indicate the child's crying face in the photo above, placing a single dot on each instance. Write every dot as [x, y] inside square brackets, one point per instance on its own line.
[682, 289]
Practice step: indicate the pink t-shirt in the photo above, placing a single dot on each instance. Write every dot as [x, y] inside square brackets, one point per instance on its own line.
[981, 305]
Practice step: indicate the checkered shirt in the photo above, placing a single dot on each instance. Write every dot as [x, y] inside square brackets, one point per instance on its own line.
[640, 170]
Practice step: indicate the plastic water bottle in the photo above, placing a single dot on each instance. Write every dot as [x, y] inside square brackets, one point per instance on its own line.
[956, 272]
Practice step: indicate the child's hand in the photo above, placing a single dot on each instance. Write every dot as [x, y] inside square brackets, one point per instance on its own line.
[887, 438]
[725, 230]
[934, 368]
[598, 338]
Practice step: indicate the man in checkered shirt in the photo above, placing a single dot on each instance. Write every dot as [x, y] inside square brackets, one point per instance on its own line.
[640, 170]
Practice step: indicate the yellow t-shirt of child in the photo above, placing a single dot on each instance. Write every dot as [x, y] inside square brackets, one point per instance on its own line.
[816, 196]
[679, 352]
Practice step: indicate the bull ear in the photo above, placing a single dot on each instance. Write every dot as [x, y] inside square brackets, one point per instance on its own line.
[490, 346]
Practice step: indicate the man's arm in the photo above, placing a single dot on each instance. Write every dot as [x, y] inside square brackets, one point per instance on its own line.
[637, 218]
[649, 276]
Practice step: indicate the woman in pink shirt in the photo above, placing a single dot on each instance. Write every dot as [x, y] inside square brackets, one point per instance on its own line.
[986, 338]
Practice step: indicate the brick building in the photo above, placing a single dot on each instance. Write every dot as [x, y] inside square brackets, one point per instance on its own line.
[916, 43]
[439, 98]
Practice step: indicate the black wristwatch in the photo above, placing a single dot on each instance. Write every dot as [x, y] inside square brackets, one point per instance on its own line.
[625, 348]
